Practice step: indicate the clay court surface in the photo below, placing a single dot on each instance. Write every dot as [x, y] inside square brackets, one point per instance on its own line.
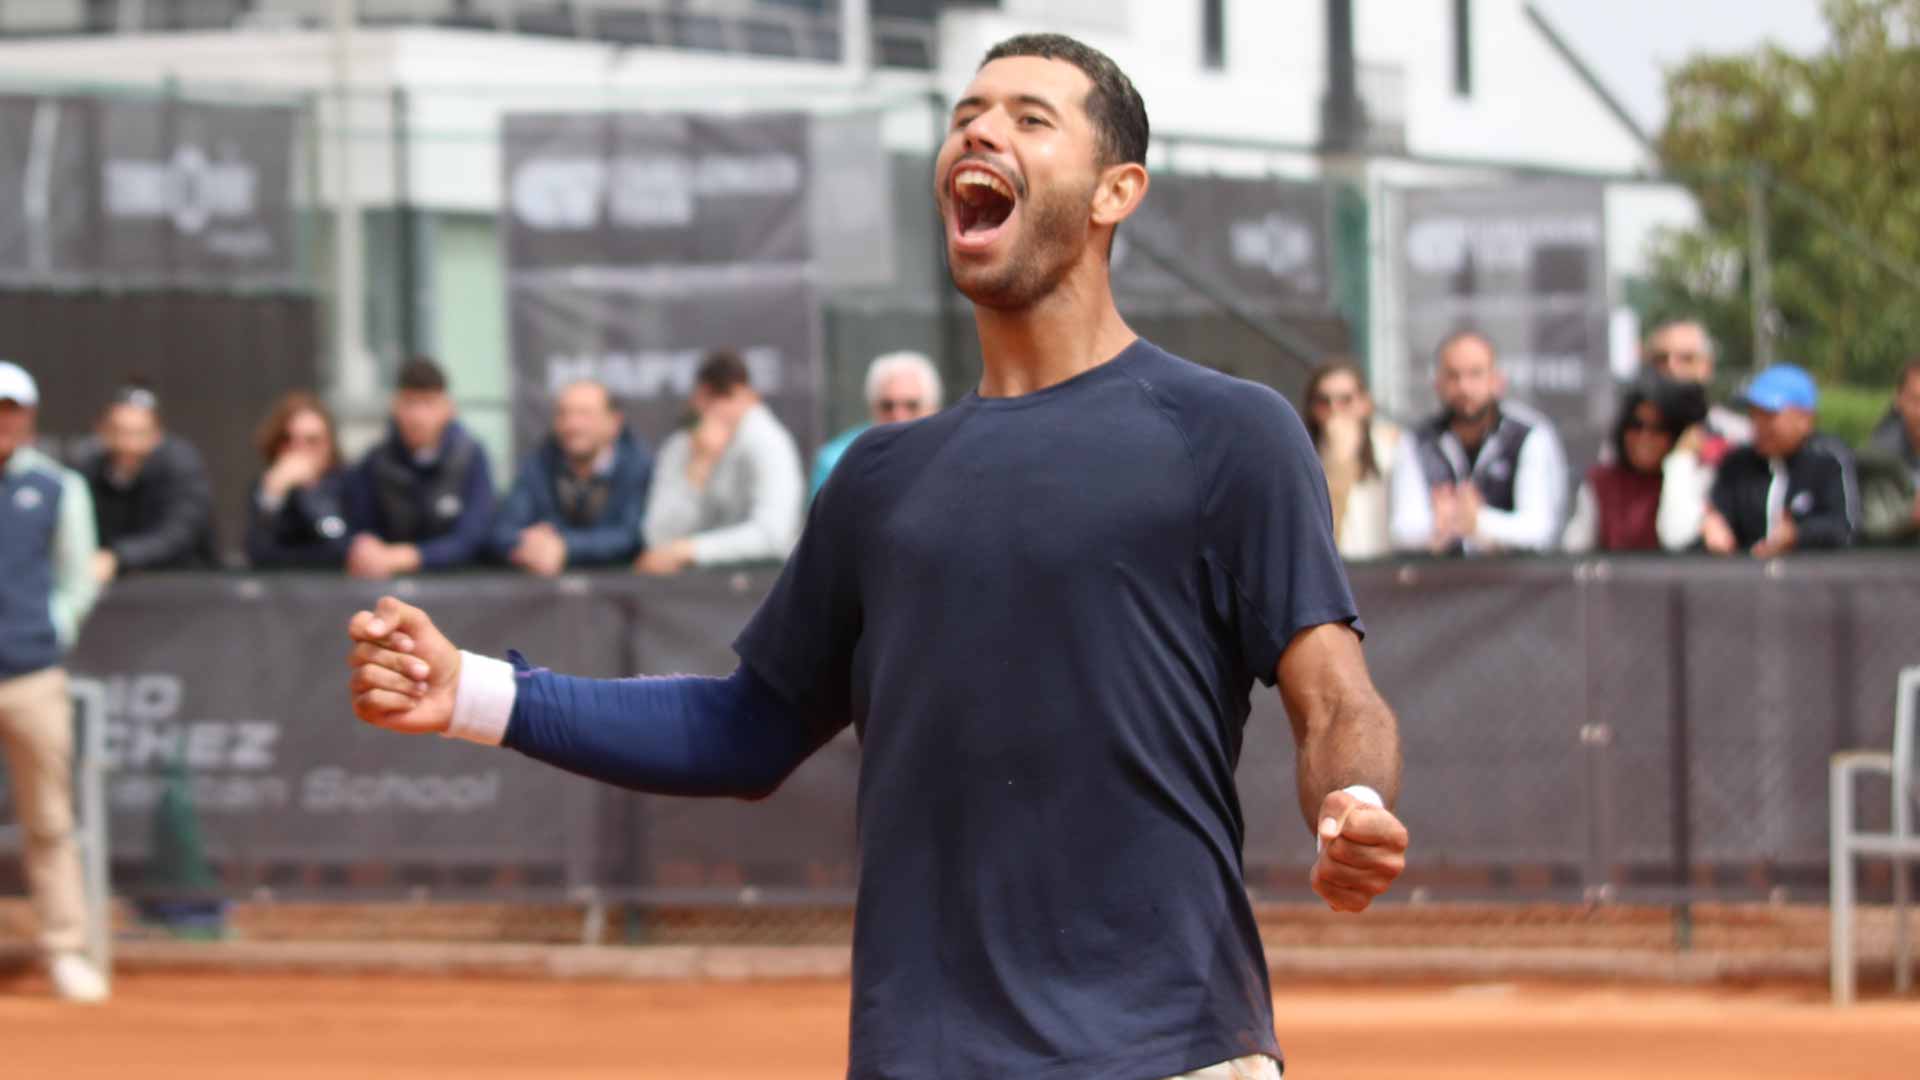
[210, 1026]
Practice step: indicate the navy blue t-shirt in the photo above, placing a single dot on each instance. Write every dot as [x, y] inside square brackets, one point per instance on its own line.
[1044, 616]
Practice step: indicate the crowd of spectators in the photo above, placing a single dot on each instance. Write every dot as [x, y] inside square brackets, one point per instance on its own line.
[1680, 472]
[1484, 475]
[727, 489]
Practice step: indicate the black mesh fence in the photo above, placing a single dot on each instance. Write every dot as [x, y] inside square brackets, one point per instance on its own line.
[1635, 730]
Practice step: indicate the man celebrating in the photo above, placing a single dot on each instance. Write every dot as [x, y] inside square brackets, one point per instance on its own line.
[1043, 611]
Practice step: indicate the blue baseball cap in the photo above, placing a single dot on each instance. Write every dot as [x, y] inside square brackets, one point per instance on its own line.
[1782, 386]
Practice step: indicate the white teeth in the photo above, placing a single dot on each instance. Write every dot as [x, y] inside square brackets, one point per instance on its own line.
[976, 178]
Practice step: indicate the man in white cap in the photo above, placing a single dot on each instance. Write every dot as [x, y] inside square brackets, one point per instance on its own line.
[46, 589]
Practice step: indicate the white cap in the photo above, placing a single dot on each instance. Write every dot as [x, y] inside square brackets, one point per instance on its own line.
[17, 385]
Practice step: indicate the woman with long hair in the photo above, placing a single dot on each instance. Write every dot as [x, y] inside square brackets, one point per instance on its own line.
[1357, 451]
[295, 517]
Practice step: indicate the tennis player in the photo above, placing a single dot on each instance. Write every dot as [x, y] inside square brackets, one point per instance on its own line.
[1043, 611]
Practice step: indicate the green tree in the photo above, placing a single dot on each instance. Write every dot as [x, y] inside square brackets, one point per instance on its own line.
[1835, 138]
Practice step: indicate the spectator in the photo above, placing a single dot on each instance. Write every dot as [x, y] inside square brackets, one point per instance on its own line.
[297, 515]
[1791, 488]
[1890, 466]
[1486, 475]
[579, 497]
[901, 386]
[152, 500]
[1625, 505]
[424, 496]
[1356, 449]
[1682, 350]
[47, 586]
[729, 490]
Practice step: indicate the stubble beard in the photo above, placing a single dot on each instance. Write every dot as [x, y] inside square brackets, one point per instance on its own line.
[1050, 242]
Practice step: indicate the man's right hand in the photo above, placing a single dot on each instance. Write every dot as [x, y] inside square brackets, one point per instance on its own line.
[405, 671]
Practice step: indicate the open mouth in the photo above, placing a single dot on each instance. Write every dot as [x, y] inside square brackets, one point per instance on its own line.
[982, 203]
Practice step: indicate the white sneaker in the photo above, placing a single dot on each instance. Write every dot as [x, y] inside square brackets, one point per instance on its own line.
[75, 979]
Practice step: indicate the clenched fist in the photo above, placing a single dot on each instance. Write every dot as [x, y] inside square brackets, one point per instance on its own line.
[1363, 848]
[405, 670]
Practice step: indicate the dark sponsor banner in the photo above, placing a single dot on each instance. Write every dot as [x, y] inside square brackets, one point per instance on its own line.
[643, 334]
[1530, 764]
[640, 189]
[1260, 243]
[637, 242]
[1525, 265]
[231, 691]
[160, 192]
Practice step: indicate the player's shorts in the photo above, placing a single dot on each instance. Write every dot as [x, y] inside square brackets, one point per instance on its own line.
[1252, 1067]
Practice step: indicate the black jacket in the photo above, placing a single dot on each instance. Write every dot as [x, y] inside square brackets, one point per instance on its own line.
[164, 519]
[1822, 494]
[308, 529]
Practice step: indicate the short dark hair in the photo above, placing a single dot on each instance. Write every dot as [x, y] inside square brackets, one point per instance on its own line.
[721, 372]
[1119, 115]
[1466, 333]
[421, 373]
[137, 391]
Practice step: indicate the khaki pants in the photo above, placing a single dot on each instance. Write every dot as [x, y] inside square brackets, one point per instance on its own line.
[1254, 1067]
[36, 731]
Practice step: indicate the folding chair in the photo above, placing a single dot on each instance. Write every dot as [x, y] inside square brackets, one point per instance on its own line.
[90, 814]
[1900, 844]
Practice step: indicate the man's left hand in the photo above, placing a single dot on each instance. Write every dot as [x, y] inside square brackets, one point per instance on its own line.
[670, 558]
[542, 550]
[106, 566]
[1783, 538]
[1363, 848]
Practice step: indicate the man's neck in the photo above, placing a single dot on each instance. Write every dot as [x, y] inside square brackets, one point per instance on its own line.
[1472, 433]
[1073, 329]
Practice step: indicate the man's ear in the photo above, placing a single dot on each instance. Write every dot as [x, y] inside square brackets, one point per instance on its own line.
[1499, 382]
[1118, 194]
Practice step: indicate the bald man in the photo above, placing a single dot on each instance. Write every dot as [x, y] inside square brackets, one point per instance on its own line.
[578, 499]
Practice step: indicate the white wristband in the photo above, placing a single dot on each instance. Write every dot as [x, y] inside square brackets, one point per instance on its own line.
[1361, 792]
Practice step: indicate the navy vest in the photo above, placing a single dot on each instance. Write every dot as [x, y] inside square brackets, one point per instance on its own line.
[29, 517]
[1443, 460]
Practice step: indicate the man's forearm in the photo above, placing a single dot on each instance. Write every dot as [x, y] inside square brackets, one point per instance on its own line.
[1354, 739]
[684, 735]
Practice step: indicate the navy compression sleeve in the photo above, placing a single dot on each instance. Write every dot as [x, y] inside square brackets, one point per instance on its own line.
[676, 735]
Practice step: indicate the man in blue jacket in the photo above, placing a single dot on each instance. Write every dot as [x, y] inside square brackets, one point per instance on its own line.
[579, 497]
[423, 498]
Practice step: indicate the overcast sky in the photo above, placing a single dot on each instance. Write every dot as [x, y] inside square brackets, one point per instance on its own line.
[1632, 43]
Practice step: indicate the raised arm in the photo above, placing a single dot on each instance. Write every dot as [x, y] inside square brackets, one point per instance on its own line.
[1346, 739]
[685, 735]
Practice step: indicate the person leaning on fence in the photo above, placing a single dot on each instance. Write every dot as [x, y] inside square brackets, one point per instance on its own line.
[901, 386]
[1357, 450]
[1625, 504]
[728, 490]
[1889, 467]
[1485, 475]
[423, 498]
[152, 498]
[579, 497]
[296, 516]
[47, 587]
[1683, 350]
[1792, 488]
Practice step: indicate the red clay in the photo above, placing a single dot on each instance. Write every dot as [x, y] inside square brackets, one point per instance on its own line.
[215, 1026]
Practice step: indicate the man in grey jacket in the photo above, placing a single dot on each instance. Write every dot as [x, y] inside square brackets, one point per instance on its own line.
[730, 489]
[47, 586]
